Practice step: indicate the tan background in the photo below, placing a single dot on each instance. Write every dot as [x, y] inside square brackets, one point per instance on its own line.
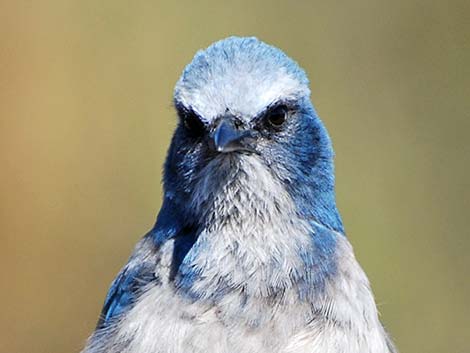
[86, 117]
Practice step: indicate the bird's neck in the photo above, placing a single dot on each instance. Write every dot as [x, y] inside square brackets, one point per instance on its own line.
[251, 247]
[251, 236]
[313, 193]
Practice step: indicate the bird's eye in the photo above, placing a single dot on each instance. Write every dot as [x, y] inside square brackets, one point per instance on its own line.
[277, 116]
[192, 122]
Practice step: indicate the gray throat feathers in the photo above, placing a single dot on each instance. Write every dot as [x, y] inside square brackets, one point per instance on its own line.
[253, 237]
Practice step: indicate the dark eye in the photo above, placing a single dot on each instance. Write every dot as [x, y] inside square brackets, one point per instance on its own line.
[277, 116]
[192, 122]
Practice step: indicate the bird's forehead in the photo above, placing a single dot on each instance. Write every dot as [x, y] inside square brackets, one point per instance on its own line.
[241, 75]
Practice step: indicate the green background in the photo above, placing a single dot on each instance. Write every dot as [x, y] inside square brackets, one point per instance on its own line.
[86, 118]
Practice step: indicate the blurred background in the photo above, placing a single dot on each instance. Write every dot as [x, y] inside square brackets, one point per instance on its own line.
[86, 118]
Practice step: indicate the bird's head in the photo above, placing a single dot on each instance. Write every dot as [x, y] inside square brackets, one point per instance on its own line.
[244, 103]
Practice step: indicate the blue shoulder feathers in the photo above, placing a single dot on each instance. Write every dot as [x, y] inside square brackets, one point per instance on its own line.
[140, 271]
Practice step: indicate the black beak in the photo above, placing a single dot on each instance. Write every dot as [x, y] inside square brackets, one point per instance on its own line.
[227, 138]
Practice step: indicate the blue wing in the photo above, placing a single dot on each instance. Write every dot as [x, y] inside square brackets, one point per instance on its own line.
[139, 272]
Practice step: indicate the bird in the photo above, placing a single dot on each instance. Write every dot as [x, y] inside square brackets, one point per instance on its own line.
[248, 253]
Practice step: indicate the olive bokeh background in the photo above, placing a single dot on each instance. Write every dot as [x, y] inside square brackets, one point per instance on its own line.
[86, 118]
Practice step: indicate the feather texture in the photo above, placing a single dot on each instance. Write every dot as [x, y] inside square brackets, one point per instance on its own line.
[248, 253]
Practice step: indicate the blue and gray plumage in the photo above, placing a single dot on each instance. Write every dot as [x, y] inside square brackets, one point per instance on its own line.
[248, 253]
